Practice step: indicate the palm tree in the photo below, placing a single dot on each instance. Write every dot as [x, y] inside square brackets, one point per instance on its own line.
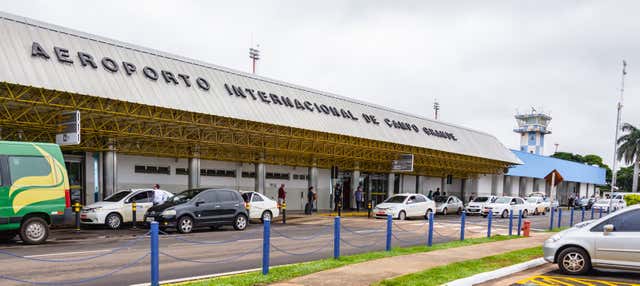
[629, 150]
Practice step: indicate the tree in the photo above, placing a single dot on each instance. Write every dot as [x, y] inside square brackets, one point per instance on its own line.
[629, 150]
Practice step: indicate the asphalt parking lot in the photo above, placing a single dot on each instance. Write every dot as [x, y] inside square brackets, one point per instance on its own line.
[548, 274]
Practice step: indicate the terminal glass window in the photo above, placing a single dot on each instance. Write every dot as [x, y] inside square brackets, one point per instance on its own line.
[26, 166]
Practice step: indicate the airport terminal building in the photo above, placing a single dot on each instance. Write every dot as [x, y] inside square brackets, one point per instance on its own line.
[150, 117]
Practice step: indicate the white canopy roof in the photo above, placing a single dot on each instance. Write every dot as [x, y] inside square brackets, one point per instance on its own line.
[44, 55]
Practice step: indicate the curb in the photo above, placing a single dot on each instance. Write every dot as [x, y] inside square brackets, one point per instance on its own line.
[498, 273]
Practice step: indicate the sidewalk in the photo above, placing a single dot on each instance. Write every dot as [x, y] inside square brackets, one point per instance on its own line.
[366, 273]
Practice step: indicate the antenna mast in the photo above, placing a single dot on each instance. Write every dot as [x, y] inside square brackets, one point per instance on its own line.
[615, 141]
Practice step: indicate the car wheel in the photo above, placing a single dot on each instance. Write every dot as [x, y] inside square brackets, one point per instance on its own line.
[240, 222]
[266, 215]
[34, 230]
[574, 261]
[185, 224]
[426, 215]
[525, 213]
[444, 211]
[504, 214]
[113, 221]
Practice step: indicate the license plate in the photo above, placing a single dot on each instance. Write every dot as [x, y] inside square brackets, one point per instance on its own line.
[382, 214]
[150, 219]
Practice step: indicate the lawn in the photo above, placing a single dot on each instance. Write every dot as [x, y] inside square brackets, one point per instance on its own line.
[287, 272]
[443, 274]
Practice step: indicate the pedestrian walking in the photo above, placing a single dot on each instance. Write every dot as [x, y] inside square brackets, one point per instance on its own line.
[358, 197]
[430, 195]
[309, 207]
[471, 197]
[437, 193]
[282, 195]
[337, 196]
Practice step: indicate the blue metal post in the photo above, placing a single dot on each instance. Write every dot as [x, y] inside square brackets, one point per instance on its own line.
[592, 212]
[600, 212]
[336, 237]
[489, 224]
[510, 222]
[519, 221]
[266, 243]
[551, 218]
[571, 219]
[430, 237]
[389, 225]
[155, 256]
[463, 220]
[559, 216]
[582, 214]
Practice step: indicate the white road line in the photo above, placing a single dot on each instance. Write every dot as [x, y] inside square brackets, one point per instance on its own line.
[68, 253]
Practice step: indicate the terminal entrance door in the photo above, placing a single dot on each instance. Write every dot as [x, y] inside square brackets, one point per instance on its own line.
[75, 171]
[376, 185]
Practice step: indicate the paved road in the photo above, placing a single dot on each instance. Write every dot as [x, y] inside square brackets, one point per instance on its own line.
[548, 274]
[294, 242]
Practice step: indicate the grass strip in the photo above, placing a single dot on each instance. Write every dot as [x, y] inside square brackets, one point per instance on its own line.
[447, 273]
[282, 273]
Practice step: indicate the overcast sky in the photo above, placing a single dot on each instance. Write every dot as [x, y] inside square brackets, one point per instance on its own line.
[482, 60]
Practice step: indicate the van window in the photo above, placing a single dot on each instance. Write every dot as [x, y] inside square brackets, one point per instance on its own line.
[25, 166]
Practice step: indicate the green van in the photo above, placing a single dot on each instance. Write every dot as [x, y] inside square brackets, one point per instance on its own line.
[34, 190]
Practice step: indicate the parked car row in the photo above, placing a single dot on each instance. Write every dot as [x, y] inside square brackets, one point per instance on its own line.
[184, 211]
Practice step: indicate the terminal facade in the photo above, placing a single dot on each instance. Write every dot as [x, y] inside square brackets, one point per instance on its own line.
[148, 117]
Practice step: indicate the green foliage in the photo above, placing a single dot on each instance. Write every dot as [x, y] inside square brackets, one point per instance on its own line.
[443, 274]
[632, 199]
[624, 179]
[629, 144]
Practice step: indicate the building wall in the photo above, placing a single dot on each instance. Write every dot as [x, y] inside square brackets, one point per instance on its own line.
[483, 185]
[430, 184]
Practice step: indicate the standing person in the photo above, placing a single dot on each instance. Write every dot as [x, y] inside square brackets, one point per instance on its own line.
[315, 201]
[430, 195]
[159, 197]
[282, 195]
[358, 197]
[437, 193]
[309, 207]
[337, 196]
[471, 197]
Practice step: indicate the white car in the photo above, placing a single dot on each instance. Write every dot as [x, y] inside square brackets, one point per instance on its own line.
[477, 205]
[260, 206]
[503, 205]
[611, 242]
[116, 209]
[530, 206]
[540, 205]
[603, 204]
[402, 206]
[448, 204]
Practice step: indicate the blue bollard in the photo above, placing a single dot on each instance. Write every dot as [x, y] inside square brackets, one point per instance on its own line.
[490, 218]
[519, 221]
[389, 225]
[592, 212]
[336, 237]
[571, 219]
[463, 219]
[559, 216]
[551, 215]
[582, 214]
[266, 243]
[600, 212]
[510, 222]
[155, 256]
[430, 234]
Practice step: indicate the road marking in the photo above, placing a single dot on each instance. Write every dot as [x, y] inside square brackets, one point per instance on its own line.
[68, 253]
[570, 281]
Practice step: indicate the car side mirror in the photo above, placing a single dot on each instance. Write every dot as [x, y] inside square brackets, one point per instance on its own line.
[198, 203]
[607, 229]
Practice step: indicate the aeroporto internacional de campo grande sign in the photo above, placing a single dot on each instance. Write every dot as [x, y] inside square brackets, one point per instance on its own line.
[64, 56]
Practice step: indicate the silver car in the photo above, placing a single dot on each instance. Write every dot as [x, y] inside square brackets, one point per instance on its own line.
[448, 204]
[611, 242]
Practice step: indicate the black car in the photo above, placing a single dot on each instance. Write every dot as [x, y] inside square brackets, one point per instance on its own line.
[200, 207]
[586, 203]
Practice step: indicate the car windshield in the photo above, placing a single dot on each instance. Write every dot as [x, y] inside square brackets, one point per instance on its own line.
[503, 200]
[532, 200]
[117, 196]
[186, 196]
[480, 199]
[440, 199]
[396, 199]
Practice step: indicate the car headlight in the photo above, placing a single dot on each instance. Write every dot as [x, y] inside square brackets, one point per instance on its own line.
[93, 210]
[168, 213]
[555, 237]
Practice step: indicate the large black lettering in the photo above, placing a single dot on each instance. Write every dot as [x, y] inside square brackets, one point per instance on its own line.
[263, 96]
[275, 99]
[334, 111]
[325, 109]
[344, 113]
[129, 68]
[109, 64]
[38, 51]
[203, 84]
[229, 92]
[252, 93]
[298, 104]
[356, 118]
[185, 79]
[308, 105]
[168, 77]
[286, 101]
[86, 60]
[415, 128]
[238, 91]
[62, 54]
[388, 122]
[150, 73]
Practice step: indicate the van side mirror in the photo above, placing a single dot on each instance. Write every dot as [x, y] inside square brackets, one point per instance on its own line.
[607, 228]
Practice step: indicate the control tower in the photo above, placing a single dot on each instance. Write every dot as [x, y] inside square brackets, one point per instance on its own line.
[532, 128]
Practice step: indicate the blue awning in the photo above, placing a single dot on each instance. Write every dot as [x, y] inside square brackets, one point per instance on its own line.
[537, 166]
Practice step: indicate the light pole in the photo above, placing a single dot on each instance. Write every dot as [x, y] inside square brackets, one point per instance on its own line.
[436, 108]
[254, 55]
[615, 141]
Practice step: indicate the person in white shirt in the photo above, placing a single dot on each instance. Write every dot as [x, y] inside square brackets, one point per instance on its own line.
[159, 197]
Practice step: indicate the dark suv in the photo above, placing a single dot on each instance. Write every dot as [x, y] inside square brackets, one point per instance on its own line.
[200, 207]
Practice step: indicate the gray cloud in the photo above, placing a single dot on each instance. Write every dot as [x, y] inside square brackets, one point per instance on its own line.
[481, 59]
